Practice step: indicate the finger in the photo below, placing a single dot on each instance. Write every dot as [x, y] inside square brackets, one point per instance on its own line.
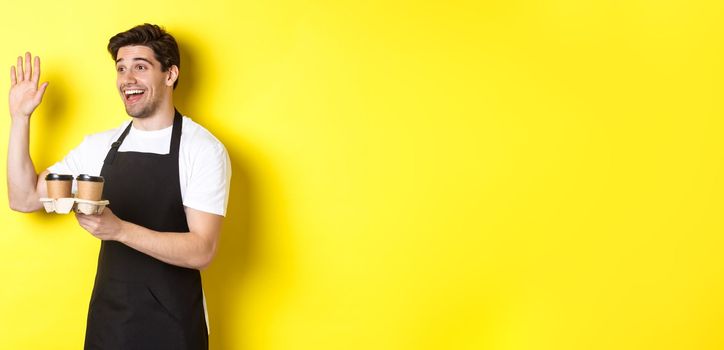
[82, 218]
[85, 224]
[13, 79]
[20, 68]
[41, 92]
[86, 220]
[27, 66]
[36, 70]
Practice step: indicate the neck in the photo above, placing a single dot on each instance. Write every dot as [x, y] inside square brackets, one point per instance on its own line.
[160, 119]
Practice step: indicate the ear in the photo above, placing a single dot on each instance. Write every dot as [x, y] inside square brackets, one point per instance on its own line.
[172, 75]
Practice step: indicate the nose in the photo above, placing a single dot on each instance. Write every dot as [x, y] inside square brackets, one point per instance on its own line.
[126, 77]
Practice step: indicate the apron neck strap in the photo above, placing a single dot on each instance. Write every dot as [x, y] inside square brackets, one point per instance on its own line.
[175, 139]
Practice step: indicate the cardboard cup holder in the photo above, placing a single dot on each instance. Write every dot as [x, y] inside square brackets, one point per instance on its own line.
[86, 201]
[65, 205]
[88, 207]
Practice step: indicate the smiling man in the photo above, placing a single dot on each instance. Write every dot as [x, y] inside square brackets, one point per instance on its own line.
[167, 179]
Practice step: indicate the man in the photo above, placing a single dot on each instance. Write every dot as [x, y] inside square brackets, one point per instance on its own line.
[167, 180]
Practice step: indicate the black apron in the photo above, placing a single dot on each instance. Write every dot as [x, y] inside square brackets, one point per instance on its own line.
[140, 302]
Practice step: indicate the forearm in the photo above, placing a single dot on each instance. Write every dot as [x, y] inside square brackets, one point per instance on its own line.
[181, 249]
[193, 249]
[22, 179]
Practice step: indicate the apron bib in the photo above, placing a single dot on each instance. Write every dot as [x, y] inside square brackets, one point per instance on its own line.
[139, 302]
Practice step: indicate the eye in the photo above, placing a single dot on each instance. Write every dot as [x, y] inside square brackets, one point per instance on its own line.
[120, 69]
[141, 67]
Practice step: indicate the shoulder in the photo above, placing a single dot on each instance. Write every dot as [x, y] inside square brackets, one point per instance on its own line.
[103, 139]
[196, 139]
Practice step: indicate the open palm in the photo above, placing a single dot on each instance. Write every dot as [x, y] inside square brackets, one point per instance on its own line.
[25, 95]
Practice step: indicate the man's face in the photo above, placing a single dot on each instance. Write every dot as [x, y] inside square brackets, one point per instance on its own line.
[142, 84]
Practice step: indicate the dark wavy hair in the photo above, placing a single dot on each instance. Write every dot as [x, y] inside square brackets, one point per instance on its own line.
[152, 36]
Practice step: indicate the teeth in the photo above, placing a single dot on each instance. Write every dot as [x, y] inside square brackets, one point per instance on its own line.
[133, 92]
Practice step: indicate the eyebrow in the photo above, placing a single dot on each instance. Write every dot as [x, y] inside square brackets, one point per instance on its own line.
[136, 59]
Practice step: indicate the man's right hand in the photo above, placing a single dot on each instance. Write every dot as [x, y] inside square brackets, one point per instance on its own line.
[25, 95]
[24, 185]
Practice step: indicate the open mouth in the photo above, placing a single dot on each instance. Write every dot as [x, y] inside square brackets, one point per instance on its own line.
[133, 95]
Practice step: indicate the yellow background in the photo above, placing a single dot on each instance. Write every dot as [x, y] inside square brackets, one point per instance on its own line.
[410, 174]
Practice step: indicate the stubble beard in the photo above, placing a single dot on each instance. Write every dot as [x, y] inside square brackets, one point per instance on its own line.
[145, 111]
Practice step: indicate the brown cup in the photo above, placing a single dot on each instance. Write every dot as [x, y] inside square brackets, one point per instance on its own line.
[89, 187]
[59, 186]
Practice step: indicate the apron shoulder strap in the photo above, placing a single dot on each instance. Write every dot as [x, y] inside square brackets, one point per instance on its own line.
[176, 134]
[116, 145]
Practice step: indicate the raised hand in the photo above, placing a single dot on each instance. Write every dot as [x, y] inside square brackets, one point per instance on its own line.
[25, 95]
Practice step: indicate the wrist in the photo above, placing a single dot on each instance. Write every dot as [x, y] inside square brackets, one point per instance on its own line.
[18, 118]
[122, 234]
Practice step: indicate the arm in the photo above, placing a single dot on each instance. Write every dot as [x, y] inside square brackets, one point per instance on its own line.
[25, 187]
[194, 249]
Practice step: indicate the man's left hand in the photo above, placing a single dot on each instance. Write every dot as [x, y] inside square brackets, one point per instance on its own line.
[105, 226]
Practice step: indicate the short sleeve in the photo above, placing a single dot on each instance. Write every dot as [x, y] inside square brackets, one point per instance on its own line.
[87, 157]
[73, 163]
[209, 180]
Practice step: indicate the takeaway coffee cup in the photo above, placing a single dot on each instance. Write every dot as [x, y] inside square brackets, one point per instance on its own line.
[59, 186]
[89, 187]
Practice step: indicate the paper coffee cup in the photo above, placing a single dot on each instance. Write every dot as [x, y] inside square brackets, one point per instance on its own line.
[89, 187]
[59, 186]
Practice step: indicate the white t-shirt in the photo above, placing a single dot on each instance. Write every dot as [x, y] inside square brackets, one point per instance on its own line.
[204, 166]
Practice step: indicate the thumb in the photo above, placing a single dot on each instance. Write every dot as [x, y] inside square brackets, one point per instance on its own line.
[41, 92]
